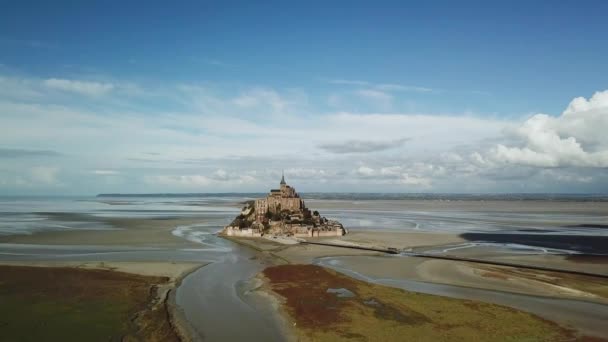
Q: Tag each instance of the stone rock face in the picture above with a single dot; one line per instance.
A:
(281, 213)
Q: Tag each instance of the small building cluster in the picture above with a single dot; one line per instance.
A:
(281, 213)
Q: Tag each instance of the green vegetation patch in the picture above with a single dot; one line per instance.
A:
(67, 304)
(378, 313)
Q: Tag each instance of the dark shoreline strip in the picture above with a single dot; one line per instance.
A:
(587, 244)
(388, 250)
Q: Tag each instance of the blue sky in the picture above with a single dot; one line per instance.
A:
(346, 96)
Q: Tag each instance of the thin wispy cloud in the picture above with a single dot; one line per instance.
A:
(220, 102)
(349, 82)
(399, 87)
(28, 43)
(45, 175)
(375, 95)
(21, 153)
(80, 87)
(481, 92)
(381, 86)
(362, 146)
(105, 172)
(238, 139)
(216, 62)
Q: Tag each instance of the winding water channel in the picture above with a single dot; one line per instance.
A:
(218, 297)
(219, 304)
(219, 300)
(215, 298)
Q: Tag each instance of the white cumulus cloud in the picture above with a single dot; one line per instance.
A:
(578, 137)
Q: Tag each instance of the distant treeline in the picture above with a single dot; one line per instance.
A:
(392, 196)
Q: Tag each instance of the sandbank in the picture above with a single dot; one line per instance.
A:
(124, 232)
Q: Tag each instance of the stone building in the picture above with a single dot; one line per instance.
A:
(284, 198)
(281, 213)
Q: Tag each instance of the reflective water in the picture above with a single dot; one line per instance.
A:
(28, 215)
(31, 214)
(221, 292)
(212, 298)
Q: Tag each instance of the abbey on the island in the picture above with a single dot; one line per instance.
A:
(281, 213)
(284, 198)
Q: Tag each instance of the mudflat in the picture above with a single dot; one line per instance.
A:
(466, 205)
(125, 232)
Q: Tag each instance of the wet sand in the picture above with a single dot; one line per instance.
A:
(492, 206)
(547, 295)
(290, 251)
(580, 310)
(578, 243)
(597, 264)
(474, 276)
(171, 270)
(377, 223)
(207, 286)
(439, 271)
(444, 271)
(400, 240)
(126, 232)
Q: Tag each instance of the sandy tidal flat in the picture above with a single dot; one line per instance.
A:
(171, 270)
(116, 239)
(125, 232)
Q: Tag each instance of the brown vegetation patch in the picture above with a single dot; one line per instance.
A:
(590, 339)
(305, 289)
(378, 313)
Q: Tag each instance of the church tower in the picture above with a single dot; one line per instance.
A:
(283, 183)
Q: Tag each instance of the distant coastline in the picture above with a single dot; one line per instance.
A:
(390, 196)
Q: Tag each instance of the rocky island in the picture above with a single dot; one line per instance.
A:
(281, 213)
